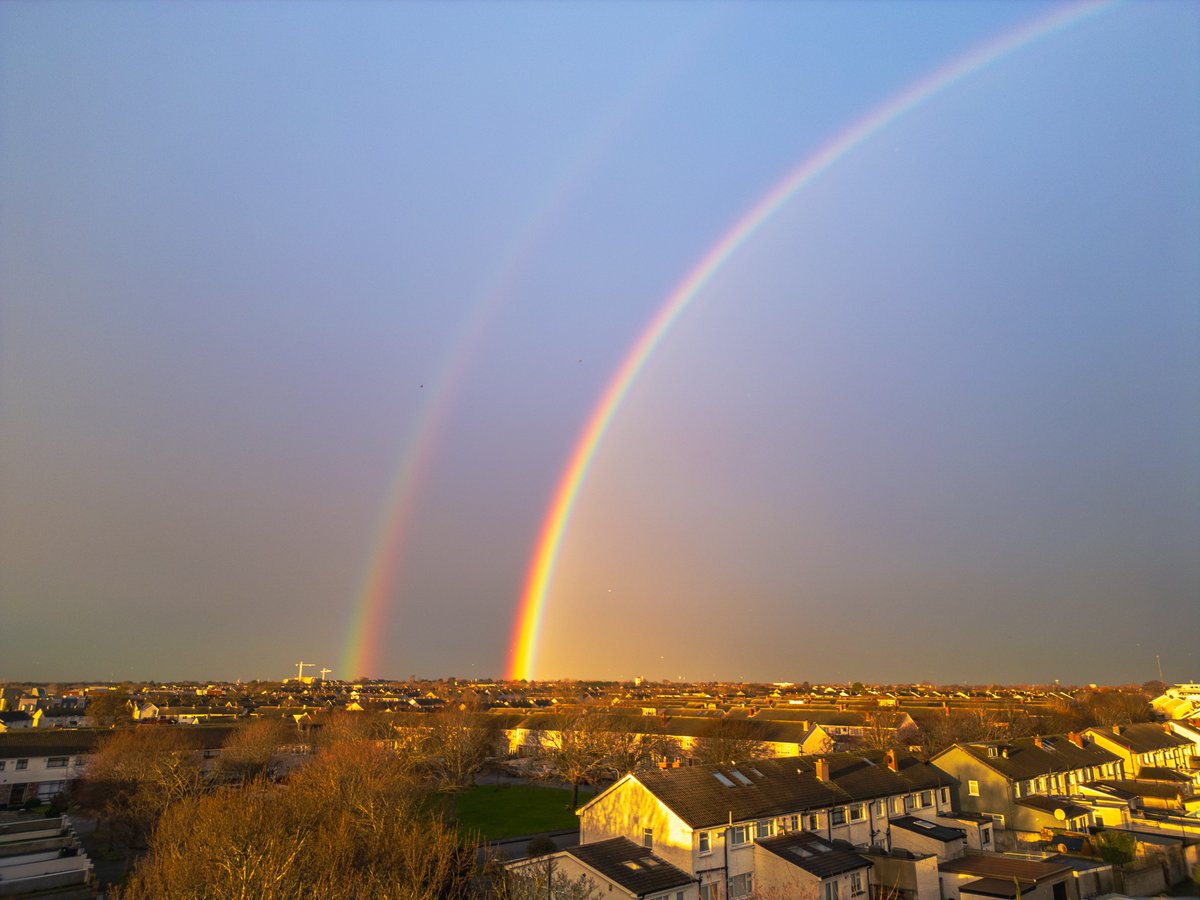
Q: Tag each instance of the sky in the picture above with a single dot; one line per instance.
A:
(304, 308)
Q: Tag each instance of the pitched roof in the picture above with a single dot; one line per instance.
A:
(1144, 737)
(634, 868)
(1052, 806)
(815, 854)
(1023, 758)
(705, 796)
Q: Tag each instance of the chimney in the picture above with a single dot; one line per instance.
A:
(822, 772)
(1075, 738)
(1167, 728)
(1037, 741)
(1004, 752)
(890, 758)
(1116, 729)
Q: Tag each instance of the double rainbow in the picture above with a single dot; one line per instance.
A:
(530, 614)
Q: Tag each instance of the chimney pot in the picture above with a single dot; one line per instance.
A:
(1116, 729)
(891, 761)
(1037, 740)
(822, 771)
(1076, 739)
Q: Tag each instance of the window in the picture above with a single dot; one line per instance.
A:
(766, 828)
(738, 835)
(837, 816)
(897, 805)
(709, 891)
(705, 842)
(858, 812)
(793, 823)
(57, 762)
(927, 798)
(973, 788)
(880, 809)
(2, 764)
(814, 822)
(831, 890)
(910, 800)
(945, 795)
(648, 838)
(856, 884)
(741, 885)
(985, 835)
(22, 764)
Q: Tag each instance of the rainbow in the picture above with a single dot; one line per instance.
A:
(532, 607)
(369, 612)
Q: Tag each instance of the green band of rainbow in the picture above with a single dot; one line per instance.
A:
(530, 613)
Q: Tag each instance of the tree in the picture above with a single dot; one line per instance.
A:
(880, 730)
(253, 750)
(575, 747)
(461, 742)
(135, 776)
(629, 746)
(727, 741)
(109, 708)
(351, 822)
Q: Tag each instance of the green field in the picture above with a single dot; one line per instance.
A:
(505, 811)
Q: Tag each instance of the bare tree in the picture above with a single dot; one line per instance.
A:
(575, 747)
(541, 878)
(136, 775)
(728, 741)
(254, 750)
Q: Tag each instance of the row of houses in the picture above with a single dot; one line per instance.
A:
(879, 824)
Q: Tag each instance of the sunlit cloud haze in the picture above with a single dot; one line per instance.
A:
(303, 308)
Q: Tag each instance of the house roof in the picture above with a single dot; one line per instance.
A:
(634, 868)
(1144, 737)
(929, 829)
(1023, 758)
(994, 887)
(1053, 805)
(1005, 868)
(814, 854)
(705, 796)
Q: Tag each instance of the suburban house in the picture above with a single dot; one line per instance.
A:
(1147, 744)
(996, 776)
(617, 867)
(710, 821)
(1007, 878)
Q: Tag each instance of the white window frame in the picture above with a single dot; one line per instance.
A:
(837, 815)
(857, 886)
(648, 838)
(739, 835)
(741, 885)
(858, 812)
(705, 842)
(972, 788)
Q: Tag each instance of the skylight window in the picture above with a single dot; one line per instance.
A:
(721, 778)
(740, 777)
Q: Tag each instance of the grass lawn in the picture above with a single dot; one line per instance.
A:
(514, 810)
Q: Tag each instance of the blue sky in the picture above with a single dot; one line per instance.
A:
(939, 419)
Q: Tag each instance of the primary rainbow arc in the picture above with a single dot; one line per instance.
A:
(531, 610)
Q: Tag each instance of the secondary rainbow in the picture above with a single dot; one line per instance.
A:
(532, 607)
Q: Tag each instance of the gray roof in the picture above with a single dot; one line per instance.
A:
(634, 868)
(706, 796)
(924, 827)
(1022, 758)
(1144, 737)
(814, 854)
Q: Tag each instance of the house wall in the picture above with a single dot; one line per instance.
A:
(542, 870)
(915, 878)
(775, 878)
(995, 794)
(38, 779)
(923, 845)
(626, 810)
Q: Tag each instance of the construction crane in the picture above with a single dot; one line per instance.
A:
(300, 669)
(325, 672)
